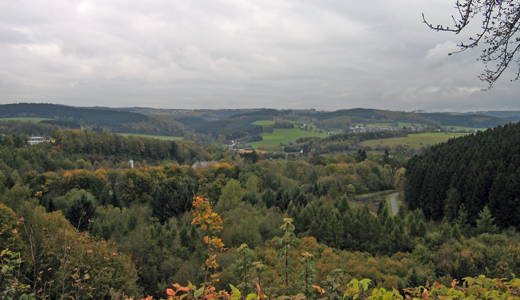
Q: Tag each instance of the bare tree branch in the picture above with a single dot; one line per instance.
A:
(499, 34)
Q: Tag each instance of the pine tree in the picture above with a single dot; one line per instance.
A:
(485, 222)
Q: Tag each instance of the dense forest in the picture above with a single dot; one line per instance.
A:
(84, 222)
(461, 177)
(232, 128)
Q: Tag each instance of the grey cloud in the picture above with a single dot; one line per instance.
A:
(320, 54)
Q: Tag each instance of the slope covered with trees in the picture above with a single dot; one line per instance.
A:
(112, 120)
(459, 178)
(466, 120)
(42, 128)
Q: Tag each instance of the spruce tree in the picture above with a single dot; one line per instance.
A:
(485, 222)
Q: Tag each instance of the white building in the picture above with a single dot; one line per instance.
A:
(33, 140)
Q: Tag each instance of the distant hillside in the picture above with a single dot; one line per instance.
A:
(93, 118)
(361, 115)
(42, 128)
(232, 128)
(506, 114)
(465, 120)
(205, 114)
(332, 120)
(346, 117)
(189, 122)
(188, 119)
(457, 179)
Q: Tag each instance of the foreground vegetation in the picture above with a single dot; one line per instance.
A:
(86, 224)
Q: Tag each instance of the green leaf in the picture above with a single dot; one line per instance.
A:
(473, 289)
(300, 296)
(198, 292)
(251, 297)
(236, 292)
(365, 282)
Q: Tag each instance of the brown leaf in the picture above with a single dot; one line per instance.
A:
(454, 283)
(319, 289)
(260, 291)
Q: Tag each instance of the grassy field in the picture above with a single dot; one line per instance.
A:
(284, 136)
(414, 140)
(465, 128)
(264, 122)
(159, 137)
(34, 120)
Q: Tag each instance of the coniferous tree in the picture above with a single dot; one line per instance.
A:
(81, 212)
(485, 222)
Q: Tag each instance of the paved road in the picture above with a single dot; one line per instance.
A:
(393, 201)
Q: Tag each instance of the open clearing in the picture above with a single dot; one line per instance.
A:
(284, 136)
(34, 120)
(414, 140)
(159, 137)
(263, 122)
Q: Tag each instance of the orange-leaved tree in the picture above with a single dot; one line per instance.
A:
(212, 223)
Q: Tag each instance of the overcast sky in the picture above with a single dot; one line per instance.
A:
(320, 54)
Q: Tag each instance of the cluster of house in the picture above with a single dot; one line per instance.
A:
(34, 140)
(358, 129)
(235, 145)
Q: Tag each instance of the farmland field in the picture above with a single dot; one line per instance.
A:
(34, 120)
(159, 137)
(465, 128)
(414, 140)
(284, 136)
(264, 122)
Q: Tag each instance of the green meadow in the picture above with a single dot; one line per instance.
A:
(465, 128)
(414, 140)
(284, 136)
(34, 120)
(264, 122)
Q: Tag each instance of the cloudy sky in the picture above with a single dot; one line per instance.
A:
(322, 54)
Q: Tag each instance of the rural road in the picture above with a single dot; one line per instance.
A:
(393, 201)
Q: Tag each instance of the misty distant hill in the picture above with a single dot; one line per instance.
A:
(466, 120)
(238, 122)
(92, 118)
(513, 115)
